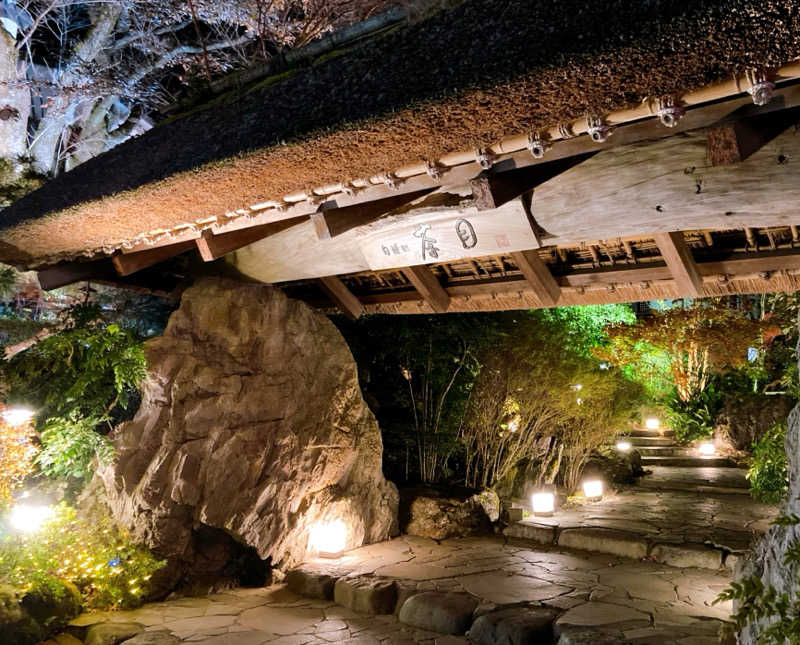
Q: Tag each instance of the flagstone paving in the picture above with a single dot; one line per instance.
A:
(618, 599)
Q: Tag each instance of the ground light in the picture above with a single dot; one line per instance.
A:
(707, 449)
(328, 539)
(593, 489)
(27, 518)
(17, 416)
(544, 504)
(623, 446)
(652, 424)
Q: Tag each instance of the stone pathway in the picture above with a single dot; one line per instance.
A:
(503, 591)
(688, 512)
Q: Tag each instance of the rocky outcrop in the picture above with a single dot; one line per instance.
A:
(427, 513)
(767, 560)
(252, 423)
(744, 419)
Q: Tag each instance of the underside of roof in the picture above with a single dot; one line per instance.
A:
(462, 80)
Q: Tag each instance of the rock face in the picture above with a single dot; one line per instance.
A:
(766, 561)
(428, 514)
(252, 422)
(744, 419)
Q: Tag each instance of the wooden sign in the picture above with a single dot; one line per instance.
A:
(449, 235)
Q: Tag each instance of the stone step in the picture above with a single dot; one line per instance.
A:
(644, 432)
(687, 462)
(663, 451)
(722, 481)
(650, 441)
(626, 544)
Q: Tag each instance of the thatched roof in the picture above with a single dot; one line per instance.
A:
(461, 79)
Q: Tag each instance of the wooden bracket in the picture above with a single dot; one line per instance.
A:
(129, 263)
(330, 221)
(681, 264)
(428, 286)
(337, 291)
(538, 276)
(492, 189)
(213, 247)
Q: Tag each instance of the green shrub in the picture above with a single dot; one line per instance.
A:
(70, 445)
(694, 419)
(107, 568)
(768, 474)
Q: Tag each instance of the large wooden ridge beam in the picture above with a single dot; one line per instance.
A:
(681, 264)
(428, 287)
(538, 277)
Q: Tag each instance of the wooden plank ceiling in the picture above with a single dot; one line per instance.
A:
(708, 208)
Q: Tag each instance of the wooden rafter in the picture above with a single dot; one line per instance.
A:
(681, 264)
(538, 277)
(213, 247)
(428, 287)
(341, 296)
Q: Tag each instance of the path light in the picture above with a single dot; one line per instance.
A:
(652, 424)
(544, 504)
(27, 518)
(707, 449)
(623, 446)
(17, 416)
(593, 490)
(328, 539)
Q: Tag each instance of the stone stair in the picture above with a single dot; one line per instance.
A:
(659, 448)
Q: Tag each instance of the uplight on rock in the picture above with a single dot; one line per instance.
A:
(707, 449)
(17, 416)
(652, 424)
(27, 518)
(623, 446)
(328, 539)
(593, 489)
(544, 504)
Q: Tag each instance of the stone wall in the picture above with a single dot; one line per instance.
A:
(766, 561)
(252, 422)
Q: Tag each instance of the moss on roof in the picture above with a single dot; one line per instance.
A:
(462, 78)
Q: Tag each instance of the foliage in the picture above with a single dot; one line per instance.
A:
(108, 569)
(777, 614)
(76, 378)
(8, 280)
(694, 418)
(702, 340)
(70, 445)
(583, 328)
(17, 450)
(538, 382)
(768, 474)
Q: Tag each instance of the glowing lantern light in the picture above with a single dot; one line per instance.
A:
(328, 539)
(623, 446)
(17, 416)
(707, 449)
(544, 504)
(652, 424)
(593, 489)
(26, 518)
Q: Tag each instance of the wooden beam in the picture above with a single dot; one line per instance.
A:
(681, 263)
(132, 262)
(428, 287)
(337, 291)
(213, 247)
(538, 276)
(330, 222)
(492, 189)
(62, 275)
(734, 142)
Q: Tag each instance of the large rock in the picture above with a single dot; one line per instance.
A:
(427, 513)
(746, 418)
(767, 559)
(446, 613)
(251, 422)
(515, 626)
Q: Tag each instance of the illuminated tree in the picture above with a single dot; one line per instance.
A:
(17, 450)
(700, 341)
